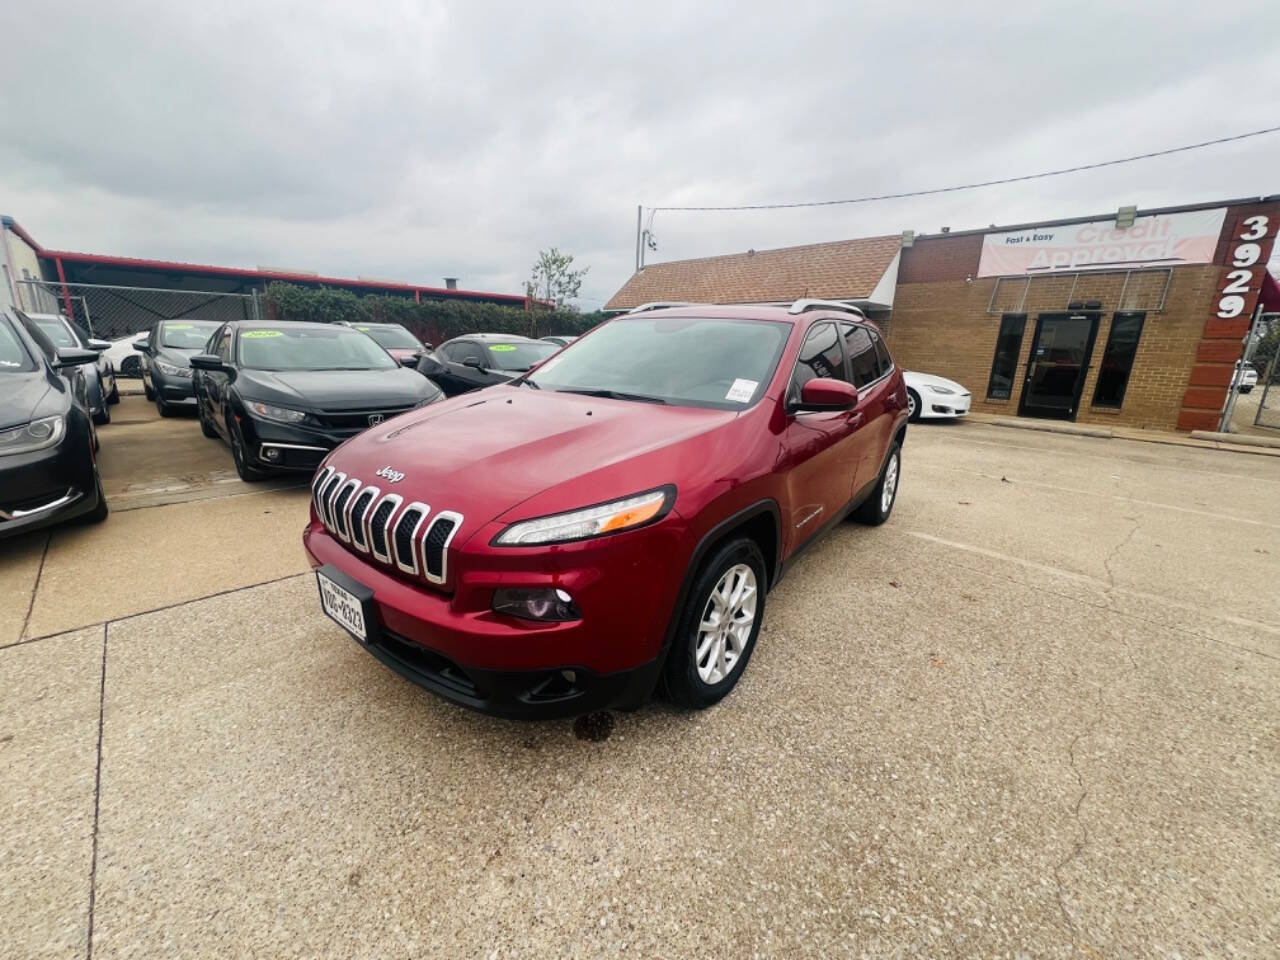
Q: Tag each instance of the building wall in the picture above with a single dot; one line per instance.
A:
(25, 265)
(941, 324)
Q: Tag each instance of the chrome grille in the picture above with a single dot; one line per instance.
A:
(411, 539)
(358, 532)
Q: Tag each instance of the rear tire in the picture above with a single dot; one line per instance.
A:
(876, 508)
(913, 406)
(717, 627)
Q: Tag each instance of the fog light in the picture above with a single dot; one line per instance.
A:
(270, 453)
(540, 604)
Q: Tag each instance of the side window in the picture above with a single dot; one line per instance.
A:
(882, 354)
(223, 347)
(1005, 362)
(819, 357)
(1117, 359)
(863, 362)
(41, 338)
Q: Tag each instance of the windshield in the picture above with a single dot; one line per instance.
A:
(518, 356)
(311, 348)
(13, 356)
(694, 361)
(186, 334)
(57, 331)
(391, 335)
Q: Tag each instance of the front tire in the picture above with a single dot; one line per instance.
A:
(246, 472)
(876, 508)
(115, 393)
(150, 394)
(205, 426)
(162, 408)
(913, 406)
(103, 416)
(717, 626)
(99, 512)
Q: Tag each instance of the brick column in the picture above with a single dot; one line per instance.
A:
(1248, 237)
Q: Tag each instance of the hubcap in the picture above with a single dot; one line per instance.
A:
(890, 484)
(911, 405)
(727, 621)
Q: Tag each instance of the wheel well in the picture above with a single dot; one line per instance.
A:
(901, 436)
(763, 529)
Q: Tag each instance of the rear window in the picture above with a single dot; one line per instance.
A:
(391, 335)
(186, 334)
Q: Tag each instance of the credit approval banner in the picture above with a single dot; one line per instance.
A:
(1160, 240)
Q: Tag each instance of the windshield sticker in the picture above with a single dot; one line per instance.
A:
(503, 348)
(365, 329)
(742, 390)
(260, 334)
(9, 363)
(178, 326)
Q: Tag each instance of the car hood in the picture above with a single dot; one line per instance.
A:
(918, 380)
(336, 389)
(20, 396)
(481, 454)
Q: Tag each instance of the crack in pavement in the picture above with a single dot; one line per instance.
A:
(97, 795)
(35, 588)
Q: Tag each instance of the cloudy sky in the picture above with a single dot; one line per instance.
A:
(413, 139)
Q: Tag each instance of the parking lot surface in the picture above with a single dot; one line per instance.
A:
(1032, 715)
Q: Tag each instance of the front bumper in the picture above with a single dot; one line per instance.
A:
(48, 486)
(940, 405)
(173, 390)
(453, 644)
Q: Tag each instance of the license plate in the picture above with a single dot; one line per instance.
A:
(343, 606)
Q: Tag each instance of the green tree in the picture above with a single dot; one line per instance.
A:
(554, 278)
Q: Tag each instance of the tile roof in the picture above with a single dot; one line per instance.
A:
(843, 270)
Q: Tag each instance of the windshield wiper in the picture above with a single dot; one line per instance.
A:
(524, 381)
(616, 395)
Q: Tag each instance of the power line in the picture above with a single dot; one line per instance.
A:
(974, 186)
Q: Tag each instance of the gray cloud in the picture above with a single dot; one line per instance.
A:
(419, 139)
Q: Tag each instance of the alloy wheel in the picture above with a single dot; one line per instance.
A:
(727, 621)
(890, 487)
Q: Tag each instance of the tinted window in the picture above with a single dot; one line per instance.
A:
(819, 357)
(223, 347)
(390, 335)
(310, 348)
(1005, 363)
(882, 354)
(518, 356)
(462, 350)
(1117, 359)
(696, 361)
(13, 355)
(185, 334)
(863, 363)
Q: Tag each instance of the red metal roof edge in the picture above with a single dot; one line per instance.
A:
(21, 231)
(71, 256)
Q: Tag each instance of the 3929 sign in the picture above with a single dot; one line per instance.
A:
(1247, 256)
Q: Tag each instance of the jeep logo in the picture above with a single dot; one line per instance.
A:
(391, 476)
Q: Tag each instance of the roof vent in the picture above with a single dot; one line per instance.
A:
(451, 283)
(946, 229)
(908, 238)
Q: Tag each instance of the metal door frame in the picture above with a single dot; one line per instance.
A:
(1095, 316)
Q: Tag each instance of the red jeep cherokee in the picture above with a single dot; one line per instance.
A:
(614, 518)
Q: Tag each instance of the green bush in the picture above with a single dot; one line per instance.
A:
(431, 320)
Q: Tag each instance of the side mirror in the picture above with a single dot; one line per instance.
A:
(142, 346)
(74, 356)
(209, 362)
(429, 366)
(826, 394)
(97, 345)
(474, 363)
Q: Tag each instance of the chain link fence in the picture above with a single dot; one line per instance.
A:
(112, 312)
(1268, 390)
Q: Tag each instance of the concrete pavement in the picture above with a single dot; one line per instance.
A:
(1033, 714)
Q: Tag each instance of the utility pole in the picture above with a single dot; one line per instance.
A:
(639, 218)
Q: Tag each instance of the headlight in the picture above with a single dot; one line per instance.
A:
(590, 522)
(32, 436)
(948, 390)
(279, 414)
(170, 370)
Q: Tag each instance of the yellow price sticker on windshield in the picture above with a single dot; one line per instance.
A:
(260, 334)
(503, 348)
(179, 326)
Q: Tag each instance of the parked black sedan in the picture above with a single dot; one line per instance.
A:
(166, 365)
(48, 472)
(480, 360)
(284, 394)
(394, 339)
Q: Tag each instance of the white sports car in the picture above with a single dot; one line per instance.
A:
(937, 397)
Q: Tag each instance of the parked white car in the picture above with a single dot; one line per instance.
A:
(1245, 381)
(934, 397)
(124, 358)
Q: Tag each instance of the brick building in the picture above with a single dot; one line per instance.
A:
(1135, 318)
